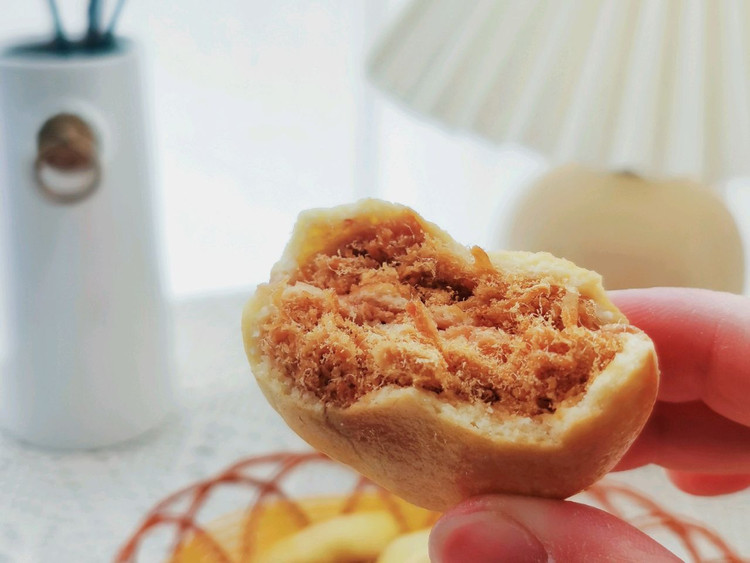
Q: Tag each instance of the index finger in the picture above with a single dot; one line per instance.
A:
(702, 340)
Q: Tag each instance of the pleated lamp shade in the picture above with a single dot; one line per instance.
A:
(660, 88)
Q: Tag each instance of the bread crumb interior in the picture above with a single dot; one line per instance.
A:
(393, 306)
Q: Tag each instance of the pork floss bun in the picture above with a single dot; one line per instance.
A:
(441, 372)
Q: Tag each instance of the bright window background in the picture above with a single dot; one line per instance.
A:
(261, 109)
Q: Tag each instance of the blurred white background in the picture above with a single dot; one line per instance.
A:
(262, 109)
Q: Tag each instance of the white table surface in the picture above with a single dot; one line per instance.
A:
(81, 506)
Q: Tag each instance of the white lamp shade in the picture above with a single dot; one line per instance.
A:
(655, 87)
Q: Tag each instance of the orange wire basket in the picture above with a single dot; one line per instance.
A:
(183, 528)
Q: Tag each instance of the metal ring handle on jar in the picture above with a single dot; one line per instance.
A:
(67, 169)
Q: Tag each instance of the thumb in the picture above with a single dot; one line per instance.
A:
(524, 529)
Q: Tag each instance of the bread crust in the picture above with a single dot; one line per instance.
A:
(433, 453)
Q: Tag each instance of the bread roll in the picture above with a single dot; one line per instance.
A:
(442, 372)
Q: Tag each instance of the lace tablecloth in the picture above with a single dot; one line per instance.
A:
(81, 506)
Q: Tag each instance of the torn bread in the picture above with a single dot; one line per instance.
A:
(442, 372)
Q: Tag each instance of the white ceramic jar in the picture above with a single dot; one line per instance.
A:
(87, 351)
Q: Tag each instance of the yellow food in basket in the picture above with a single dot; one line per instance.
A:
(352, 537)
(407, 548)
(378, 528)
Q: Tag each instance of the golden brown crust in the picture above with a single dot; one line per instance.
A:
(435, 454)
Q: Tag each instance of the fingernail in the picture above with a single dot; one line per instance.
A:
(485, 537)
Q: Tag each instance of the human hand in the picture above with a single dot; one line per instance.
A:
(699, 431)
